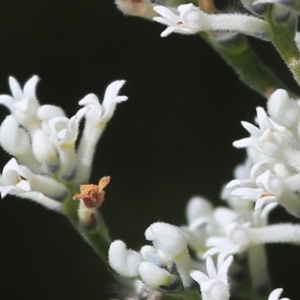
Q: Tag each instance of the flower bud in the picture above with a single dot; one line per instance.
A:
(124, 261)
(155, 276)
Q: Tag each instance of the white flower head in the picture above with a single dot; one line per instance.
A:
(19, 180)
(15, 179)
(282, 109)
(64, 130)
(237, 240)
(214, 285)
(170, 241)
(255, 132)
(100, 114)
(189, 21)
(23, 105)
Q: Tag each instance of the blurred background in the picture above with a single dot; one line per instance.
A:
(170, 141)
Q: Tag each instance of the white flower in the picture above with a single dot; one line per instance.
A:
(188, 21)
(100, 114)
(19, 180)
(266, 188)
(237, 240)
(264, 124)
(214, 285)
(269, 138)
(282, 109)
(275, 294)
(14, 179)
(96, 119)
(191, 20)
(171, 242)
(132, 264)
(23, 105)
(64, 130)
(199, 214)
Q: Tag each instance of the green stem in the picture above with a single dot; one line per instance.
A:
(237, 52)
(282, 36)
(98, 238)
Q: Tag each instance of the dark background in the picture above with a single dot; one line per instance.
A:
(171, 140)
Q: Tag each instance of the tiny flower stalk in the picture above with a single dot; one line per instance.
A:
(281, 233)
(258, 269)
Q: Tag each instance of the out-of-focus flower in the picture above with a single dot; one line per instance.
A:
(214, 285)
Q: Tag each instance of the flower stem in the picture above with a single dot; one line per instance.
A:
(237, 52)
(282, 233)
(98, 238)
(282, 36)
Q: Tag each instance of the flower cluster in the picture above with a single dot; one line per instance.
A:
(268, 178)
(206, 257)
(273, 148)
(167, 266)
(48, 160)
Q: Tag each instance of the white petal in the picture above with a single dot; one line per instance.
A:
(163, 21)
(24, 185)
(210, 268)
(275, 294)
(166, 13)
(263, 119)
(30, 86)
(245, 143)
(199, 276)
(223, 269)
(15, 88)
(7, 101)
(253, 130)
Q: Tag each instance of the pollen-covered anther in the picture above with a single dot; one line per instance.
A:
(93, 195)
